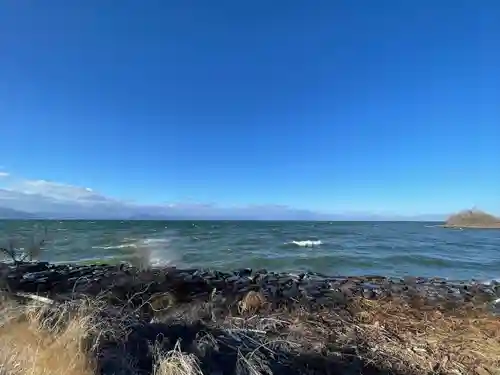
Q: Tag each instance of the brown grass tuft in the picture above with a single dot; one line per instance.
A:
(175, 362)
(28, 345)
(252, 302)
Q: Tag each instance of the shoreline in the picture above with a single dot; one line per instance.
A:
(67, 278)
(258, 322)
(475, 226)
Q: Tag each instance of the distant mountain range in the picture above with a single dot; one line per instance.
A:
(41, 199)
(10, 214)
(178, 214)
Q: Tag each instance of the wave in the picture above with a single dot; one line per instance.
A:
(152, 241)
(305, 243)
(121, 246)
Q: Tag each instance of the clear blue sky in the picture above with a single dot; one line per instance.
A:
(327, 105)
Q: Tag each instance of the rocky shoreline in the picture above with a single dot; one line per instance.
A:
(471, 226)
(281, 323)
(65, 281)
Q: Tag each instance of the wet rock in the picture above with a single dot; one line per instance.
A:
(243, 272)
(119, 283)
(375, 278)
(409, 280)
(270, 279)
(271, 291)
(368, 293)
(233, 279)
(453, 291)
(291, 292)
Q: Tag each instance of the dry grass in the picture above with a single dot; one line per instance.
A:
(29, 344)
(465, 341)
(175, 362)
(35, 343)
(394, 335)
(252, 364)
(252, 302)
(390, 334)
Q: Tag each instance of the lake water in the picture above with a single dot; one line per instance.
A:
(345, 248)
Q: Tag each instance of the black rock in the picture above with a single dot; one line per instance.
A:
(243, 272)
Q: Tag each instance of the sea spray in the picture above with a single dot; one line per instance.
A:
(160, 250)
(154, 251)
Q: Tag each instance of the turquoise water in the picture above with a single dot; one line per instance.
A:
(347, 248)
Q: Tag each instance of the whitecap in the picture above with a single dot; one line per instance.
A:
(152, 241)
(307, 243)
(121, 246)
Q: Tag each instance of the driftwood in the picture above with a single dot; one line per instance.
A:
(36, 298)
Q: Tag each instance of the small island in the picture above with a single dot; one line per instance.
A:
(472, 218)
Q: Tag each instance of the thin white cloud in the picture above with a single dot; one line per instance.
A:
(65, 200)
(59, 191)
(56, 199)
(4, 174)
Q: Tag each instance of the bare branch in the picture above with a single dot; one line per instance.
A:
(19, 254)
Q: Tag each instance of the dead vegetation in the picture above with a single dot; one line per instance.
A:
(32, 343)
(175, 362)
(19, 250)
(461, 341)
(397, 337)
(369, 337)
(252, 302)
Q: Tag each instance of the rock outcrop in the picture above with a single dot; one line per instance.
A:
(472, 219)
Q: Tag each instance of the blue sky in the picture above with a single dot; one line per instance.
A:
(386, 106)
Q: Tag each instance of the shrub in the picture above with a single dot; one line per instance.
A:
(29, 252)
